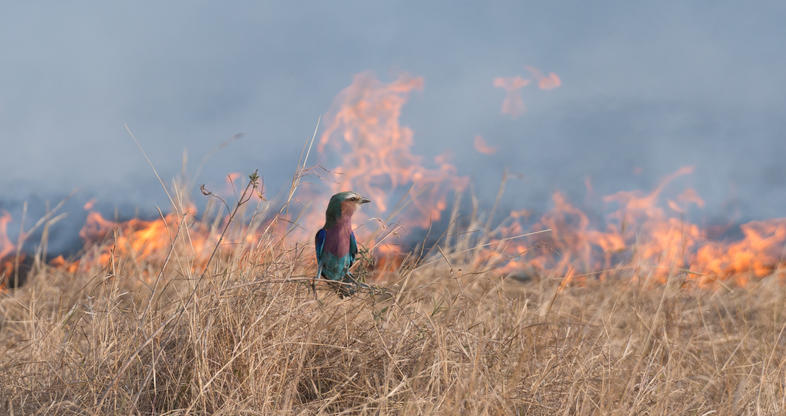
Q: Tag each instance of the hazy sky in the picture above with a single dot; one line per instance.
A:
(649, 85)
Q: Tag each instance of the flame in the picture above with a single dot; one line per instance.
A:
(376, 150)
(60, 262)
(482, 147)
(760, 251)
(89, 204)
(6, 247)
(138, 239)
(513, 104)
(545, 82)
(643, 235)
(233, 177)
(8, 260)
(390, 257)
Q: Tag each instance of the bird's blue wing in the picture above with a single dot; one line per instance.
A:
(319, 242)
(353, 248)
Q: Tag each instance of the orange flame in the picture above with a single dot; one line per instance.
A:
(6, 247)
(376, 151)
(513, 104)
(7, 261)
(482, 147)
(233, 177)
(643, 234)
(89, 204)
(138, 239)
(545, 82)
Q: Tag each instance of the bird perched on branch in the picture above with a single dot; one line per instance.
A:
(335, 243)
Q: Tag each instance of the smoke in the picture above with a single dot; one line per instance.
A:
(645, 89)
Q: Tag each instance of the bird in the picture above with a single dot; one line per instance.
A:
(335, 243)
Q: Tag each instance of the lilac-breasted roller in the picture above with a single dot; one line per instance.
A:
(335, 243)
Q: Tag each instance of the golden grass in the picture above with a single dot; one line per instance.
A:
(449, 341)
(246, 336)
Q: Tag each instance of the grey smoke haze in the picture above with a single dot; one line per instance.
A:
(650, 85)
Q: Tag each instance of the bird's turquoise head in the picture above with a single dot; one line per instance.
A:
(342, 205)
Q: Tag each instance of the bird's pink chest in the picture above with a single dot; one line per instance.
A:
(337, 239)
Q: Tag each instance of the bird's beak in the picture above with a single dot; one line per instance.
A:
(364, 200)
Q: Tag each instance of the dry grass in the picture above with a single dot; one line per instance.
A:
(450, 339)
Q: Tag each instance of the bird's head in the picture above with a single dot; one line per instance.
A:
(342, 205)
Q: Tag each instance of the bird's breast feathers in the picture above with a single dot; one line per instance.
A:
(337, 240)
(336, 249)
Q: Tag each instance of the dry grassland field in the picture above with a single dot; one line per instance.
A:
(467, 308)
(393, 208)
(218, 317)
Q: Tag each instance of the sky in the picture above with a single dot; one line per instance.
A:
(647, 87)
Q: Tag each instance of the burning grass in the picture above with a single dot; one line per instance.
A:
(157, 335)
(639, 312)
